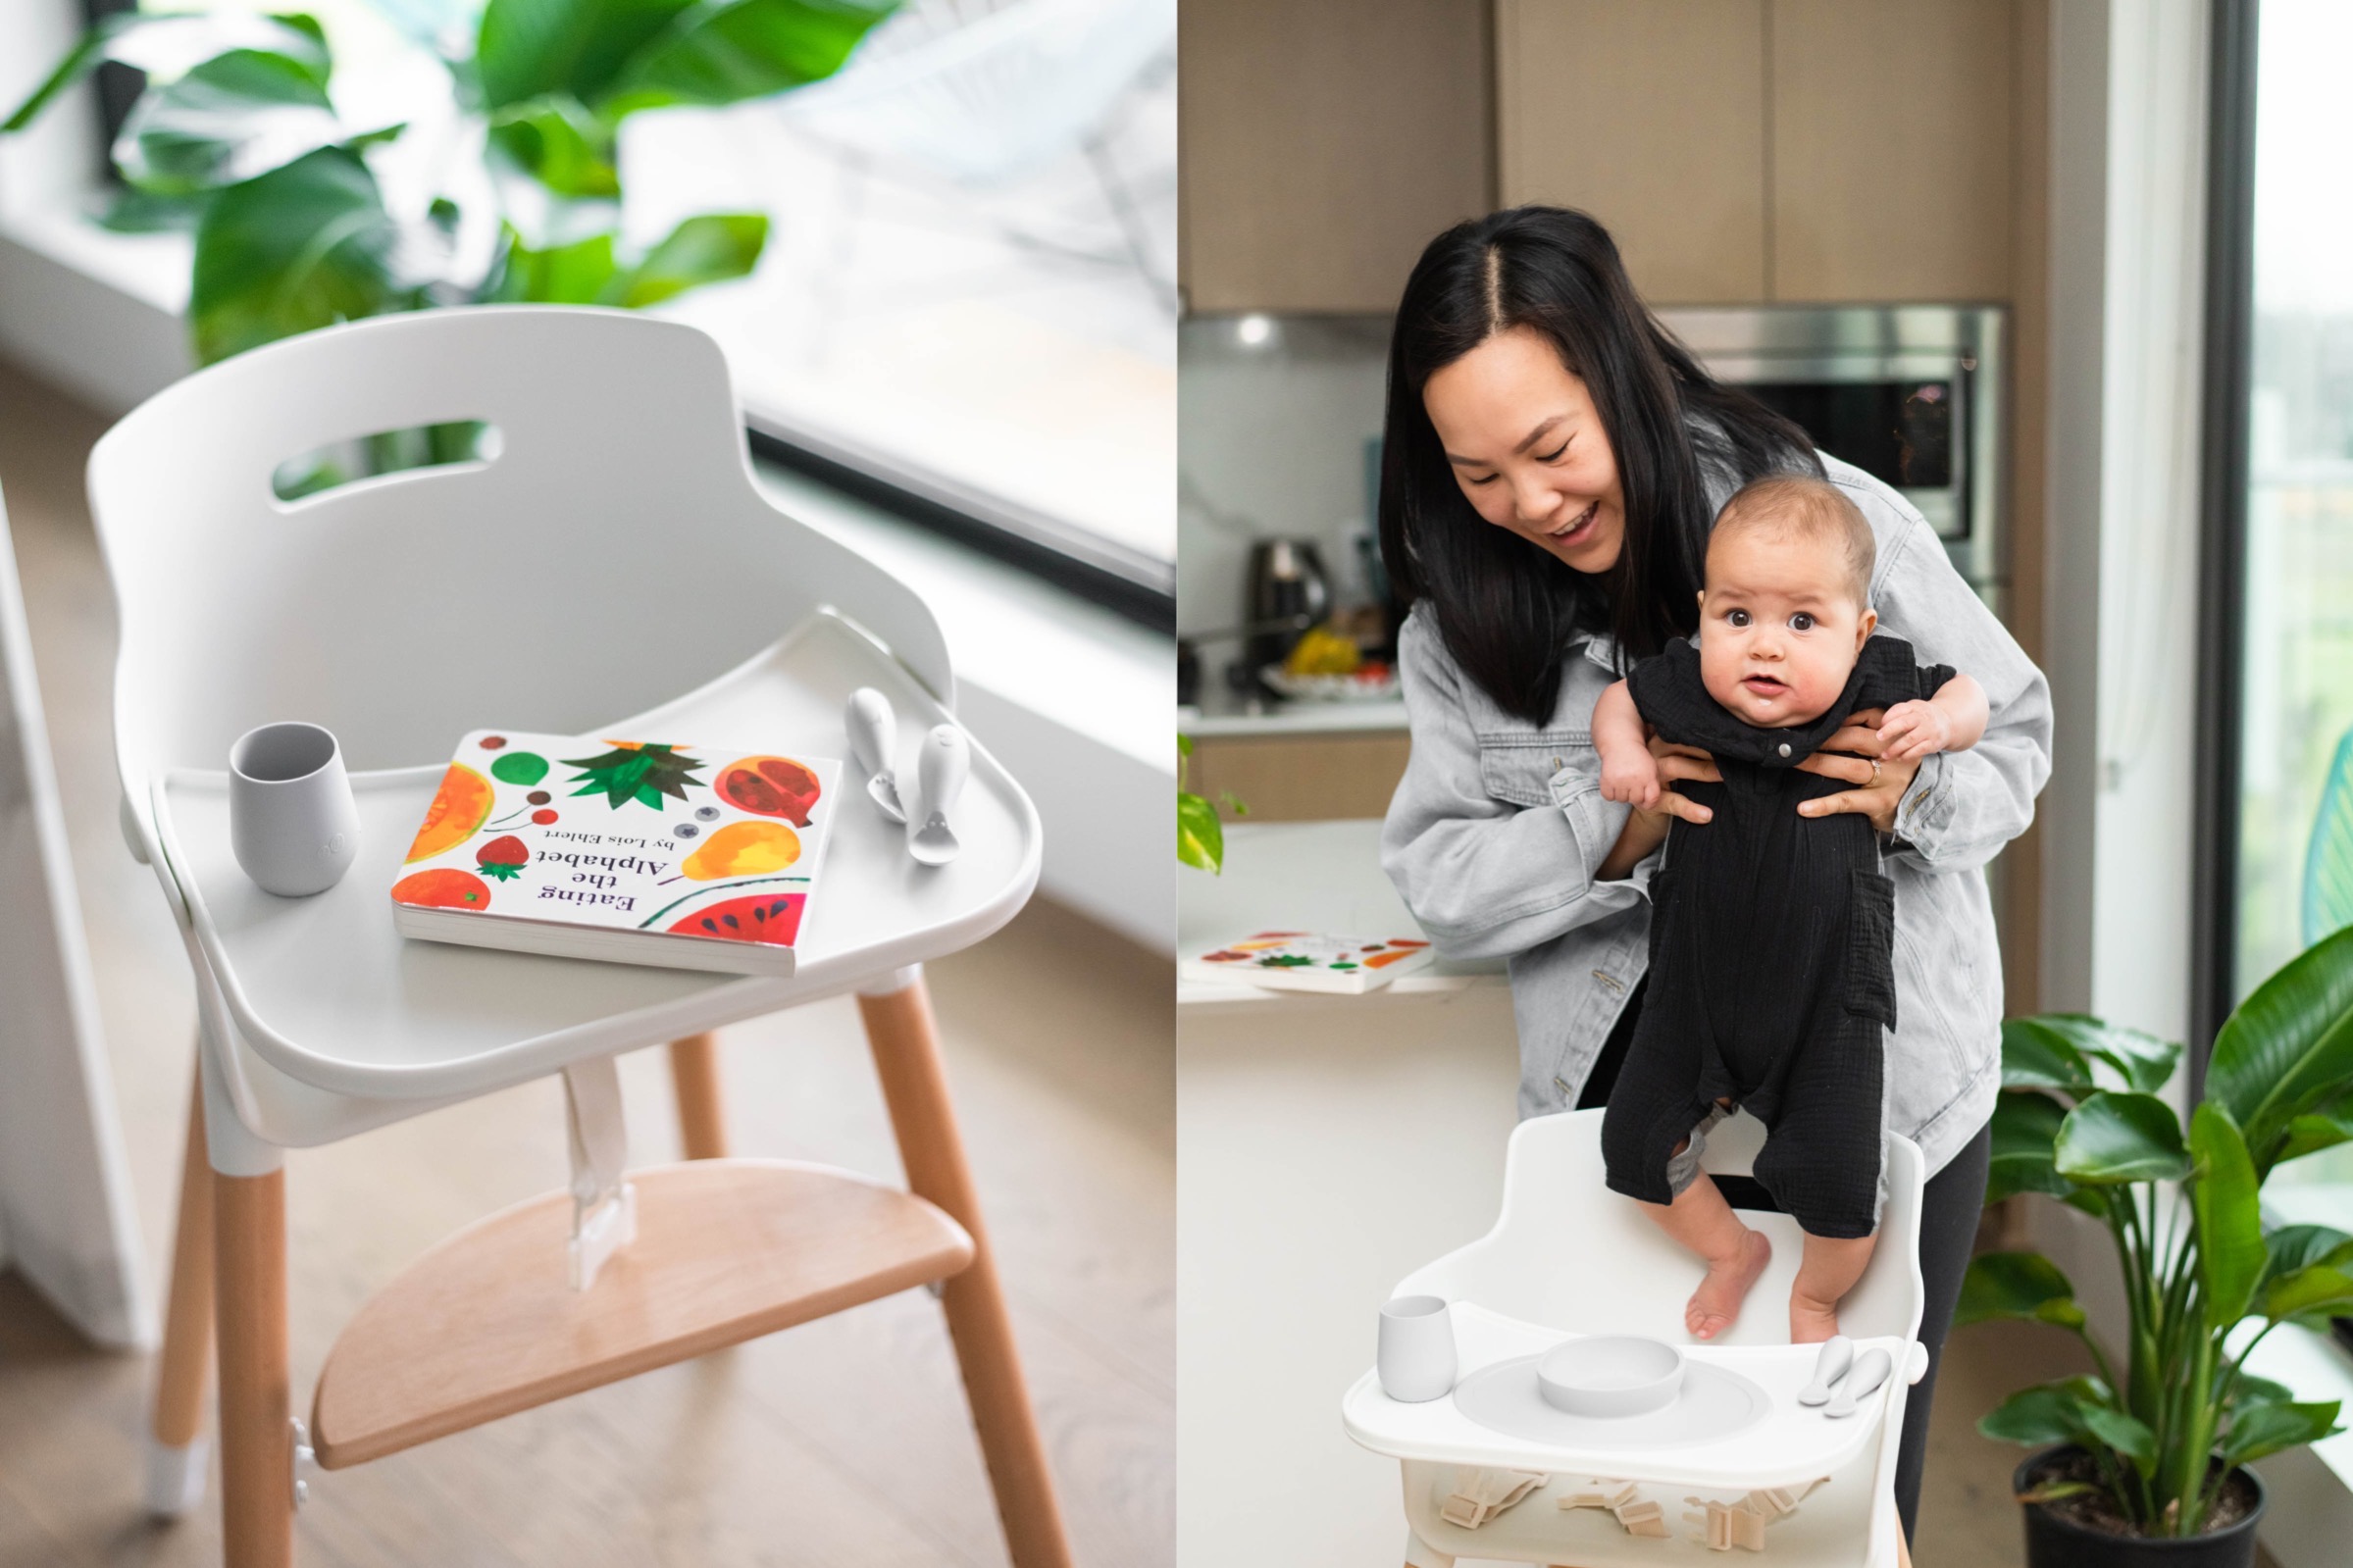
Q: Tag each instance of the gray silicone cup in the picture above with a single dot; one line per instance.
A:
(292, 820)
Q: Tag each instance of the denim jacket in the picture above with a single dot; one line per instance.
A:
(1498, 826)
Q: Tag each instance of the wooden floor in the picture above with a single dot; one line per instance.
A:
(839, 1442)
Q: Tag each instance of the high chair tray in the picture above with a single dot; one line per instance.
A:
(328, 992)
(1791, 1445)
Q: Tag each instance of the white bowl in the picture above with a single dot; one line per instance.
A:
(1610, 1374)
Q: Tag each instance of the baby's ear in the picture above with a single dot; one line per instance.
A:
(1865, 626)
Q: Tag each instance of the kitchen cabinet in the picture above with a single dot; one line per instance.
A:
(1762, 151)
(1321, 146)
(1301, 778)
(1650, 114)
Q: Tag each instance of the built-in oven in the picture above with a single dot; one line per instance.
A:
(1911, 394)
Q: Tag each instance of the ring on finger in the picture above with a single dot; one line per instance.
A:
(1874, 762)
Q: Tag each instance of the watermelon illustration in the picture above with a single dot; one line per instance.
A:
(772, 917)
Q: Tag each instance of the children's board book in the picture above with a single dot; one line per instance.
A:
(637, 852)
(1300, 960)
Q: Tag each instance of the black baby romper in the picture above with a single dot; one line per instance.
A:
(1771, 969)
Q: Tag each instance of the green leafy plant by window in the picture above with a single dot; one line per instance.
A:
(244, 148)
(1200, 837)
(2080, 1119)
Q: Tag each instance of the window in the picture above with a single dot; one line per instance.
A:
(967, 301)
(2293, 839)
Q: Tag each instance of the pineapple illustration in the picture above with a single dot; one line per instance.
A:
(631, 771)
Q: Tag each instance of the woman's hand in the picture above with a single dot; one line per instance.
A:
(1880, 779)
(1646, 827)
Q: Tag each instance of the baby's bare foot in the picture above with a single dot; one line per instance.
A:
(1716, 1302)
(1810, 1322)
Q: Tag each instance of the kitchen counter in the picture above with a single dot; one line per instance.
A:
(1327, 1146)
(1306, 875)
(1384, 717)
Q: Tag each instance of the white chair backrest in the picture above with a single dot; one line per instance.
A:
(613, 553)
(1573, 1254)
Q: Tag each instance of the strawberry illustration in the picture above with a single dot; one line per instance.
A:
(502, 858)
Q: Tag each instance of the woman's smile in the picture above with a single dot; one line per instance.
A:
(1528, 447)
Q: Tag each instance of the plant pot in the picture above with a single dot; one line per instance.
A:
(2055, 1541)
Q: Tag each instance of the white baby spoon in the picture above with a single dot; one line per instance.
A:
(940, 768)
(872, 729)
(1838, 1354)
(1871, 1370)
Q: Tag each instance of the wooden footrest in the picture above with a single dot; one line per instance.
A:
(486, 1325)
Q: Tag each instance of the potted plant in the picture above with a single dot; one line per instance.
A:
(297, 213)
(1200, 837)
(2142, 1461)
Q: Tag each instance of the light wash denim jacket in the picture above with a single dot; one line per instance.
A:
(1498, 826)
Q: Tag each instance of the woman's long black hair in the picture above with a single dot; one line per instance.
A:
(1507, 608)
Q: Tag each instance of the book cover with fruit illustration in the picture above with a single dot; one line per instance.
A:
(637, 851)
(1304, 960)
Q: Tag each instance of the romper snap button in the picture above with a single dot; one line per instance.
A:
(1786, 748)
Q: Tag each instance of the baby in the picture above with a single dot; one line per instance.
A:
(1772, 931)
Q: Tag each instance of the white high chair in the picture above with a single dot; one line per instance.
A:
(612, 569)
(1568, 1258)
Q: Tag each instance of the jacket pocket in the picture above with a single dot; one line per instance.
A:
(1538, 768)
(1871, 946)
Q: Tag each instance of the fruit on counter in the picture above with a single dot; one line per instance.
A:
(743, 849)
(772, 917)
(1322, 651)
(770, 787)
(459, 809)
(502, 858)
(442, 888)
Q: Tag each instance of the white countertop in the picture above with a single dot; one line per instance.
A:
(1305, 876)
(1385, 716)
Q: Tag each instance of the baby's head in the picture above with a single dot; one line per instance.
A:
(1787, 605)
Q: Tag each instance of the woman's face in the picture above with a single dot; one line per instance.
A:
(1528, 447)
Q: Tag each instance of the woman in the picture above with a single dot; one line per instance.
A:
(1552, 463)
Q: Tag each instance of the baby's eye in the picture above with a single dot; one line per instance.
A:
(1738, 618)
(1484, 478)
(1800, 621)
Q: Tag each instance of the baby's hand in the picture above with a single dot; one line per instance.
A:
(1914, 729)
(1632, 778)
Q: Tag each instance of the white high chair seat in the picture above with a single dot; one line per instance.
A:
(609, 568)
(1567, 1258)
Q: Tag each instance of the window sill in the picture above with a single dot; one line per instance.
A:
(1073, 699)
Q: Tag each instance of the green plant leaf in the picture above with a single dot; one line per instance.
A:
(2300, 1246)
(235, 116)
(557, 142)
(133, 211)
(300, 248)
(578, 273)
(2047, 1412)
(2224, 1198)
(2025, 1125)
(2314, 1291)
(725, 51)
(138, 38)
(2117, 1138)
(2036, 1056)
(2316, 1130)
(707, 249)
(1200, 837)
(2017, 1285)
(526, 48)
(2327, 902)
(2142, 1060)
(2125, 1434)
(2288, 1048)
(2267, 1429)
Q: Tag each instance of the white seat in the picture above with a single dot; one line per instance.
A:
(1567, 1257)
(609, 564)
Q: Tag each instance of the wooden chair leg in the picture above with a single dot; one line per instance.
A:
(906, 1057)
(702, 1117)
(175, 1453)
(257, 1437)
